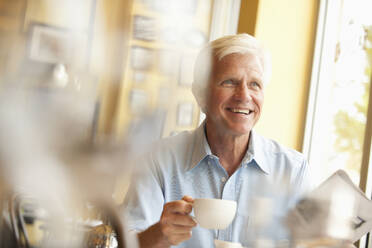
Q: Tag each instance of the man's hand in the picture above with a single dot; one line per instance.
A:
(174, 226)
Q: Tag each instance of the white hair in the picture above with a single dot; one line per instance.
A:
(218, 49)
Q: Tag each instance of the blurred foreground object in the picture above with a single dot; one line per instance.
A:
(334, 213)
(102, 236)
(56, 182)
(25, 224)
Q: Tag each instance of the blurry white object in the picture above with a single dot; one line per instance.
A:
(225, 244)
(47, 153)
(214, 213)
(265, 243)
(60, 76)
(336, 210)
(185, 114)
(263, 209)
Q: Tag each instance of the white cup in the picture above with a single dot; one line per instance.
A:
(214, 213)
(225, 244)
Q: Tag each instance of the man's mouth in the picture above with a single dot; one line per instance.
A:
(240, 111)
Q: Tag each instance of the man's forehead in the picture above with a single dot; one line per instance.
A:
(231, 62)
(237, 58)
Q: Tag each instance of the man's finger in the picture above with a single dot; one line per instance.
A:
(180, 206)
(177, 229)
(181, 220)
(188, 199)
(178, 219)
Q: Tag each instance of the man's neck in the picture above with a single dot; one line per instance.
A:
(230, 149)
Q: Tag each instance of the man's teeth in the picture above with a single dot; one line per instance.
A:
(242, 111)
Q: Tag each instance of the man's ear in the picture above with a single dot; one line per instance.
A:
(200, 95)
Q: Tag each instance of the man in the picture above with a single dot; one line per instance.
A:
(223, 158)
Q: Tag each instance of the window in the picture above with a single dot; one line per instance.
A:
(339, 118)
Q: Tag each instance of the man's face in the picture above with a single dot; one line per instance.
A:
(235, 94)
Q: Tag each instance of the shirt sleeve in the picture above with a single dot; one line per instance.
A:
(143, 204)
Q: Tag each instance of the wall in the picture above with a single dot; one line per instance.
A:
(104, 23)
(12, 14)
(109, 56)
(287, 30)
(32, 37)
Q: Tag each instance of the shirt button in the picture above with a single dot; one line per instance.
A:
(223, 179)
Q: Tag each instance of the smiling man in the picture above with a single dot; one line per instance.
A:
(223, 158)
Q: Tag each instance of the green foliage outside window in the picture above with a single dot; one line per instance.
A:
(350, 128)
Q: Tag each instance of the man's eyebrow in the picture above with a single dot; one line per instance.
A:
(255, 77)
(258, 79)
(234, 79)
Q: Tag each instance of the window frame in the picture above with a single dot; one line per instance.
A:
(318, 67)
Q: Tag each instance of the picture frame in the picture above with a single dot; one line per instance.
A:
(141, 58)
(143, 28)
(55, 45)
(138, 101)
(185, 114)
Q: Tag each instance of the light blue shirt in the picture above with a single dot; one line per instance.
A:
(184, 165)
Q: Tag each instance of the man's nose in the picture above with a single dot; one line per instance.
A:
(243, 93)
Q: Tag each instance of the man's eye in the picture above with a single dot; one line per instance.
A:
(228, 82)
(254, 84)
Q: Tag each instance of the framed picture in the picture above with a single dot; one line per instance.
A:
(143, 28)
(141, 58)
(50, 44)
(138, 100)
(185, 114)
(139, 76)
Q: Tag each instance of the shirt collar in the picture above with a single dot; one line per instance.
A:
(201, 150)
(256, 151)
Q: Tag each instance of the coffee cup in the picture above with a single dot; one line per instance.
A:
(226, 244)
(213, 213)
